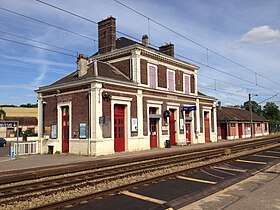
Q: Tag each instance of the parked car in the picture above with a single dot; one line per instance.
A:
(3, 142)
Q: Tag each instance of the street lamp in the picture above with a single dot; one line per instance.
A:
(250, 107)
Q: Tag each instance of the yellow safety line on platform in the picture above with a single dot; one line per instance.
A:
(230, 169)
(142, 197)
(267, 156)
(276, 152)
(249, 161)
(196, 180)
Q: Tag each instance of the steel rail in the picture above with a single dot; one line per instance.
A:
(179, 159)
(91, 196)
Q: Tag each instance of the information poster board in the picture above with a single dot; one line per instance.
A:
(54, 131)
(82, 131)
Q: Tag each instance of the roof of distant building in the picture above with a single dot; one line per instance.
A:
(237, 114)
(23, 121)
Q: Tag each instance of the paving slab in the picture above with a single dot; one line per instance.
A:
(259, 192)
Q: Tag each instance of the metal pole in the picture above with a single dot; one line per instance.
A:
(251, 120)
(17, 138)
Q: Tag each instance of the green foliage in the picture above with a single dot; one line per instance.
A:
(271, 111)
(29, 105)
(256, 108)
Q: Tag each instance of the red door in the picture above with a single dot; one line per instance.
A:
(172, 129)
(119, 132)
(240, 130)
(188, 133)
(65, 129)
(153, 133)
(188, 129)
(206, 127)
(223, 130)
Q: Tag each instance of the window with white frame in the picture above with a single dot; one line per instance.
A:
(171, 81)
(186, 84)
(152, 76)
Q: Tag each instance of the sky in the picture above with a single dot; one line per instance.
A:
(235, 43)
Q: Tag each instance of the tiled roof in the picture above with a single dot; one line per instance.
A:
(23, 121)
(237, 114)
(124, 42)
(104, 70)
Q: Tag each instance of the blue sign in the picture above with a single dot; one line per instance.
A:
(189, 108)
(8, 124)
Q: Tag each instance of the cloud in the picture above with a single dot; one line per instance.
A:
(260, 35)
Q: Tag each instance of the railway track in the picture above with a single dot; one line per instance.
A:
(10, 193)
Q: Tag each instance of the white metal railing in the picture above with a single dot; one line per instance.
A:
(25, 148)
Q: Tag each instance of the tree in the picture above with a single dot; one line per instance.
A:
(256, 108)
(271, 111)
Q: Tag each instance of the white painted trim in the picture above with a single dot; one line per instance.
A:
(177, 126)
(173, 104)
(169, 66)
(167, 80)
(59, 122)
(158, 107)
(206, 109)
(120, 98)
(119, 59)
(40, 121)
(148, 74)
(192, 123)
(154, 102)
(127, 103)
(140, 114)
(184, 84)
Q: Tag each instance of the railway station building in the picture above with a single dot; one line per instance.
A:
(234, 123)
(126, 97)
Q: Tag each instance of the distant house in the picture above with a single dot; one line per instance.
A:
(27, 118)
(234, 123)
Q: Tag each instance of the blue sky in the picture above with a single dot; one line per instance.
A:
(245, 31)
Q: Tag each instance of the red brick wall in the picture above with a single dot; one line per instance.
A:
(80, 113)
(179, 80)
(124, 67)
(106, 110)
(49, 113)
(162, 76)
(144, 71)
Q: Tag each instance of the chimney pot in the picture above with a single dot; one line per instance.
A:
(82, 64)
(107, 35)
(167, 49)
(145, 40)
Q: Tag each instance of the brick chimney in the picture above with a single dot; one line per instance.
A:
(107, 35)
(82, 62)
(167, 49)
(145, 40)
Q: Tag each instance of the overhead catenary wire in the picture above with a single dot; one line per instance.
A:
(200, 63)
(48, 24)
(62, 48)
(195, 42)
(42, 48)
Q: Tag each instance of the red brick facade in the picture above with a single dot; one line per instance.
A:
(124, 67)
